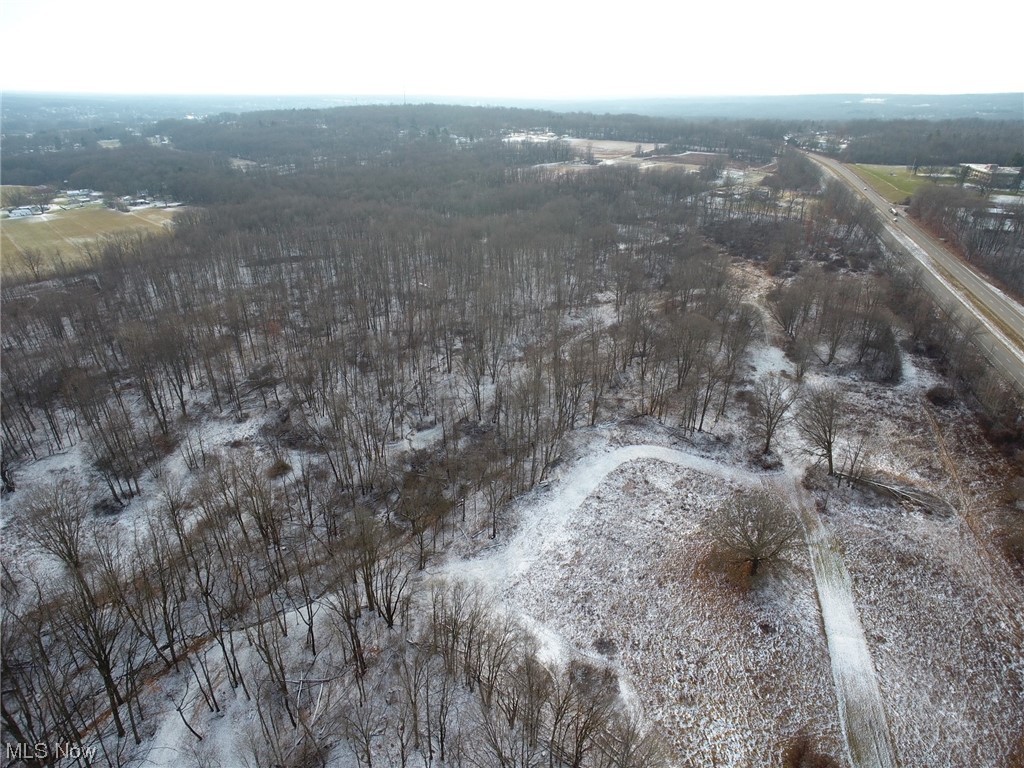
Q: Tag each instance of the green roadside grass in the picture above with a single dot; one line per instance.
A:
(894, 182)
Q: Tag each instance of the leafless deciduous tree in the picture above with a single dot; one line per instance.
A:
(753, 528)
(774, 396)
(821, 419)
(629, 744)
(56, 521)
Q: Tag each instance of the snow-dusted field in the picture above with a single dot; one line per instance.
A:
(941, 610)
(945, 639)
(610, 562)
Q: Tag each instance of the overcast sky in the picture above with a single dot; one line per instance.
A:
(531, 49)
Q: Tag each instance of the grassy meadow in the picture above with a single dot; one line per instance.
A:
(68, 232)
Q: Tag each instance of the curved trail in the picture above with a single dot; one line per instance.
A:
(547, 529)
(861, 711)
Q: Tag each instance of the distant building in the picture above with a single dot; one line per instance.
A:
(991, 175)
(26, 210)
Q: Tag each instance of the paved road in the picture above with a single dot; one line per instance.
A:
(954, 284)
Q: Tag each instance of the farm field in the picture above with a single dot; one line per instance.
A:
(68, 232)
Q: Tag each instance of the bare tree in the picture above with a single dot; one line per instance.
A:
(56, 518)
(627, 743)
(790, 305)
(753, 528)
(31, 259)
(580, 707)
(821, 419)
(391, 572)
(362, 725)
(773, 398)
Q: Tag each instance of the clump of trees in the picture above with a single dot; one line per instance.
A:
(993, 239)
(823, 315)
(953, 342)
(342, 314)
(207, 601)
(931, 142)
(795, 171)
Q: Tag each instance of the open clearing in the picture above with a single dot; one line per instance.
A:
(611, 564)
(922, 640)
(609, 149)
(68, 232)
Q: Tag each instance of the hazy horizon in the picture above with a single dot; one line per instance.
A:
(865, 95)
(529, 51)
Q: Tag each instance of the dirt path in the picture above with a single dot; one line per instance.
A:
(861, 711)
(545, 529)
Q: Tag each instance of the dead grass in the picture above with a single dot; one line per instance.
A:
(1017, 758)
(716, 573)
(279, 468)
(801, 752)
(1011, 540)
(68, 233)
(727, 671)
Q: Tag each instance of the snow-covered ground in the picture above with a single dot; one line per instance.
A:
(894, 639)
(611, 560)
(861, 711)
(940, 609)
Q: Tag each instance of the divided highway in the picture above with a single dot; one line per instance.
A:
(955, 285)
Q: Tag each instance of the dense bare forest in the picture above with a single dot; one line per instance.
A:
(412, 310)
(932, 143)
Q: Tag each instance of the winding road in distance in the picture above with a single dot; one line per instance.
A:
(954, 284)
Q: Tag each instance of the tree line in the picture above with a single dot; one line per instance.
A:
(932, 142)
(991, 238)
